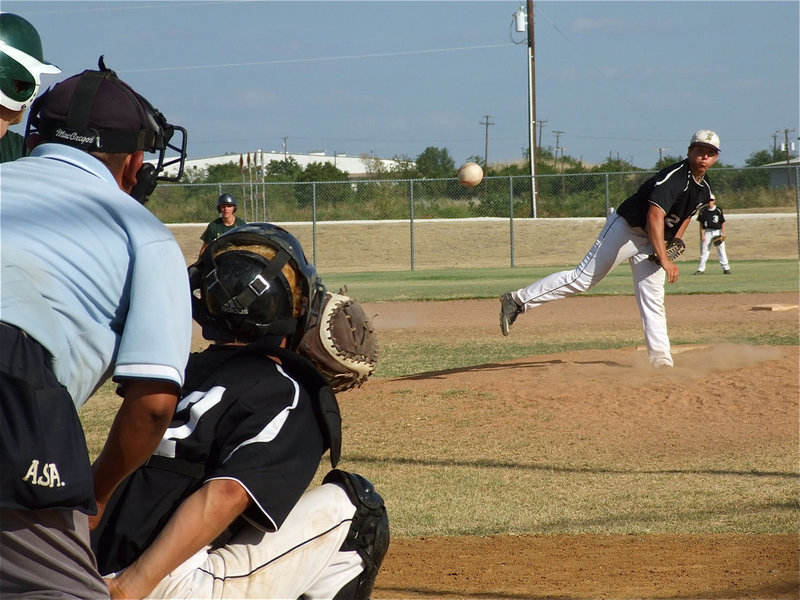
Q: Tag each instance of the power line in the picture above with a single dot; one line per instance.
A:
(97, 7)
(314, 59)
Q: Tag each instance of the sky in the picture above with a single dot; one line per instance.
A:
(617, 79)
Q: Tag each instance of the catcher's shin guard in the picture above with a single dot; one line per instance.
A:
(369, 533)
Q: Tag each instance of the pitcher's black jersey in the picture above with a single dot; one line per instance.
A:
(674, 190)
(243, 417)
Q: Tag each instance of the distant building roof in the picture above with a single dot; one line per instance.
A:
(782, 163)
(354, 165)
(783, 175)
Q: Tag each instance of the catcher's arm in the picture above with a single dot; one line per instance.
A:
(197, 522)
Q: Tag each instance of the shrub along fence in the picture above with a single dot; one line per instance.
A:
(416, 204)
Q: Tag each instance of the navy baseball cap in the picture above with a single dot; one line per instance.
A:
(95, 110)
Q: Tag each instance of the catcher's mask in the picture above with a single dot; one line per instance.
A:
(238, 294)
(96, 111)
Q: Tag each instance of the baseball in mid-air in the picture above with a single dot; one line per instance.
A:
(470, 174)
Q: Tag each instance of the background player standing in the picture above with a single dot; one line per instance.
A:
(219, 511)
(659, 211)
(227, 220)
(712, 226)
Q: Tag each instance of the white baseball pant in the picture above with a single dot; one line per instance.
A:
(705, 250)
(616, 243)
(302, 558)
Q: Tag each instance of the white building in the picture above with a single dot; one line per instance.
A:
(778, 176)
(354, 165)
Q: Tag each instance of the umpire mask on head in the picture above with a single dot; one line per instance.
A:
(96, 111)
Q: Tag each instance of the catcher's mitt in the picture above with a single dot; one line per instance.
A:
(343, 344)
(675, 248)
(717, 239)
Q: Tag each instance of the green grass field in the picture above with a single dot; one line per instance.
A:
(762, 276)
(608, 494)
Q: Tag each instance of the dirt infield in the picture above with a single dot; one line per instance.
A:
(605, 407)
(592, 566)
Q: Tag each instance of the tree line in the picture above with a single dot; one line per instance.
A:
(437, 163)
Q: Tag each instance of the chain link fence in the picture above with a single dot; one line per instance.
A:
(417, 215)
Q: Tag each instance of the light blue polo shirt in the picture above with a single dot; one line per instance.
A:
(90, 273)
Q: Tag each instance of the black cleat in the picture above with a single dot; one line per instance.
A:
(509, 310)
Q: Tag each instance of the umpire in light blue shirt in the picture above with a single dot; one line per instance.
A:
(92, 286)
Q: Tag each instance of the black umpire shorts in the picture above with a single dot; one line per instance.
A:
(44, 462)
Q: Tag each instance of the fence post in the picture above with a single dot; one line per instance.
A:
(608, 201)
(264, 192)
(244, 199)
(314, 219)
(411, 218)
(511, 217)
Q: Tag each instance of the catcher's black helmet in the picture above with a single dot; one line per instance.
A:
(239, 292)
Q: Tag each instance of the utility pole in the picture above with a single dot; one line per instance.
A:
(558, 133)
(523, 19)
(285, 156)
(775, 145)
(788, 155)
(541, 126)
(660, 150)
(532, 93)
(486, 123)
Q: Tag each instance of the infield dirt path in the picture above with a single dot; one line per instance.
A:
(717, 395)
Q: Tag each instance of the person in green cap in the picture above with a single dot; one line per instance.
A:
(21, 67)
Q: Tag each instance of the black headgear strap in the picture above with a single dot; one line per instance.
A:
(152, 137)
(80, 108)
(256, 287)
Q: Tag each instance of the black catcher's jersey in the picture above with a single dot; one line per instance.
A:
(674, 190)
(711, 218)
(242, 417)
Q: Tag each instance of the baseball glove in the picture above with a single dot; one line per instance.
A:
(343, 344)
(675, 248)
(717, 239)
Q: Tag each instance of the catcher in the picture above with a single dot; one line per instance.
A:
(659, 211)
(221, 509)
(712, 233)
